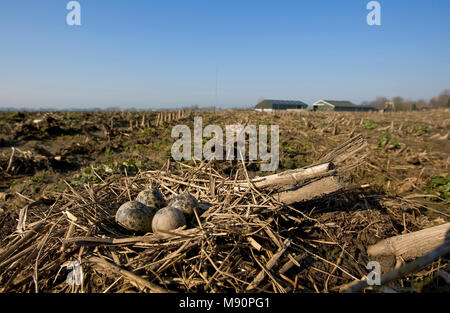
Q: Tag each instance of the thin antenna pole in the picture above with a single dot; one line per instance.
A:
(217, 82)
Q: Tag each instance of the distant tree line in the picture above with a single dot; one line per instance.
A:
(400, 104)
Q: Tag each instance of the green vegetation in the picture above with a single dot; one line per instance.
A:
(74, 115)
(293, 146)
(395, 144)
(146, 131)
(370, 125)
(15, 116)
(205, 139)
(36, 179)
(95, 175)
(85, 176)
(162, 145)
(305, 144)
(386, 139)
(289, 147)
(440, 186)
(412, 127)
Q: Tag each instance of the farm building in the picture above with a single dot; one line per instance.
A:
(269, 105)
(324, 105)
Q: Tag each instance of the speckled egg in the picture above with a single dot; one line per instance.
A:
(136, 216)
(185, 202)
(168, 218)
(151, 197)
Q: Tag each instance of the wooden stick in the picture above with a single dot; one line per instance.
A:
(294, 261)
(412, 245)
(419, 263)
(94, 241)
(11, 159)
(346, 150)
(141, 282)
(324, 186)
(271, 263)
(254, 243)
(290, 177)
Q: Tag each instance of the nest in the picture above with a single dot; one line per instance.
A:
(242, 239)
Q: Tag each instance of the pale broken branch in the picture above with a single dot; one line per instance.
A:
(412, 245)
(291, 177)
(315, 189)
(346, 150)
(411, 267)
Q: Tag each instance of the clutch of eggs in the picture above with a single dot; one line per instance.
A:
(150, 213)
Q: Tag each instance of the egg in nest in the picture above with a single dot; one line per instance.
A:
(151, 197)
(185, 202)
(168, 218)
(136, 216)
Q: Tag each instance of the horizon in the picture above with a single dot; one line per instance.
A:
(166, 55)
(192, 107)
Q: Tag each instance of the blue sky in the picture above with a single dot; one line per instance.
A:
(164, 54)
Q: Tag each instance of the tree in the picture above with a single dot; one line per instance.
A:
(398, 103)
(379, 102)
(441, 100)
(421, 104)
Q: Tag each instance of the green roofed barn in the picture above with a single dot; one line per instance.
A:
(269, 105)
(326, 105)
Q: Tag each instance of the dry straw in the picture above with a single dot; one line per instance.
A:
(243, 238)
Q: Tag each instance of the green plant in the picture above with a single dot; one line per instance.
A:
(15, 116)
(205, 139)
(148, 130)
(36, 179)
(74, 115)
(305, 144)
(440, 186)
(289, 147)
(161, 145)
(85, 175)
(395, 144)
(421, 129)
(411, 128)
(370, 125)
(384, 140)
